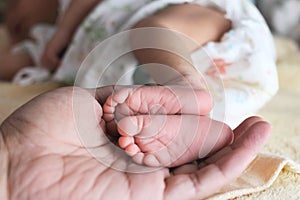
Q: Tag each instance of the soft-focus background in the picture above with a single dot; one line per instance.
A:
(282, 111)
(1, 9)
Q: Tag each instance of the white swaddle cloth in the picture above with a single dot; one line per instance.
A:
(244, 59)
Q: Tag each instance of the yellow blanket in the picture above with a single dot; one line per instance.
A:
(12, 96)
(274, 174)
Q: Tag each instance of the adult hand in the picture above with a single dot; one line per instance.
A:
(56, 48)
(54, 147)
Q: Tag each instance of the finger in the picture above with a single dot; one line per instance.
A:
(228, 167)
(238, 132)
(245, 125)
(186, 169)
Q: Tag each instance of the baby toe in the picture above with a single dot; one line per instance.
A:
(130, 126)
(122, 95)
(132, 149)
(125, 141)
(138, 158)
(151, 160)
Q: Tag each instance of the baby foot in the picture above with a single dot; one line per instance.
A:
(174, 133)
(171, 140)
(156, 100)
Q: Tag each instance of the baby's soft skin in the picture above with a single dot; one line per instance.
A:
(165, 126)
(43, 157)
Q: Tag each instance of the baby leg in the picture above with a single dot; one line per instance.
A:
(165, 131)
(12, 63)
(197, 24)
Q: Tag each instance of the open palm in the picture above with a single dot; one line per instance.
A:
(55, 148)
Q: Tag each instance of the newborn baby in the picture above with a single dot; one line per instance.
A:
(218, 40)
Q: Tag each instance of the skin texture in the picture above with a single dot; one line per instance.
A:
(176, 134)
(44, 158)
